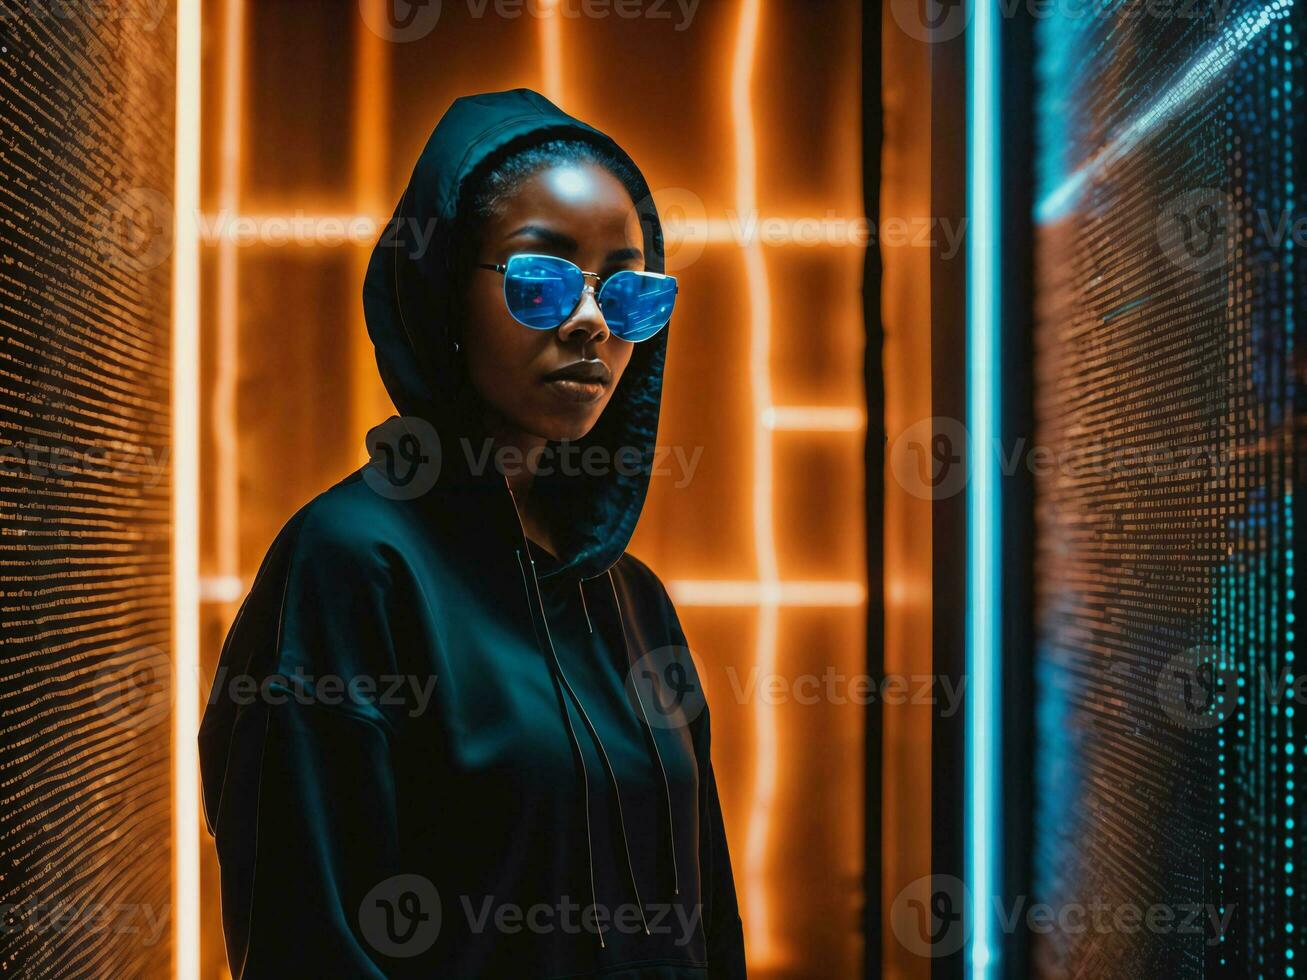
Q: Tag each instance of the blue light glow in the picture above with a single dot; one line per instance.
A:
(983, 853)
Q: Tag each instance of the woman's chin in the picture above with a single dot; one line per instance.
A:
(571, 431)
(568, 422)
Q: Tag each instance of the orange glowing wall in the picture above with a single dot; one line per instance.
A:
(746, 120)
(905, 199)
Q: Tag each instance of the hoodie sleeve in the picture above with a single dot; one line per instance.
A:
(305, 820)
(721, 915)
(721, 909)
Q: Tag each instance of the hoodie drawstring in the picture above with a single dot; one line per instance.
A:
(603, 755)
(648, 733)
(560, 679)
(576, 745)
(584, 608)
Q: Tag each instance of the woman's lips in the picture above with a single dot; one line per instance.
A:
(582, 381)
(577, 391)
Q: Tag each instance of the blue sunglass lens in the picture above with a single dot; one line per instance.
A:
(542, 291)
(636, 305)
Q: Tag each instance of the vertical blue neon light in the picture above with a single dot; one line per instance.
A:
(983, 827)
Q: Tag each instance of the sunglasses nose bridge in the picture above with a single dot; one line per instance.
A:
(593, 322)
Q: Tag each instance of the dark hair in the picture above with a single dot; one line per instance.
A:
(501, 176)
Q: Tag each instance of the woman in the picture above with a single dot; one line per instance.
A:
(439, 744)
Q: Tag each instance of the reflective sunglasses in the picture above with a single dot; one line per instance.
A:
(543, 291)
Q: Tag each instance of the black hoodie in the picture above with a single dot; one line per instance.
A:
(429, 750)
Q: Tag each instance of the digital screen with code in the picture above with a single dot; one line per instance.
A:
(86, 171)
(1169, 282)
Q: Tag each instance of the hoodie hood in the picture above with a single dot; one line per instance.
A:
(408, 301)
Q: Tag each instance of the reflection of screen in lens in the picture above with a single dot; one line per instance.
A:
(537, 296)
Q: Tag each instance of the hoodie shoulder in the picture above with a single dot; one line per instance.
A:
(349, 522)
(647, 597)
(648, 611)
(641, 575)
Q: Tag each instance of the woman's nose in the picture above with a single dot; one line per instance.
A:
(587, 322)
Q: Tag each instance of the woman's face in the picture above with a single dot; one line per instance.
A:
(553, 384)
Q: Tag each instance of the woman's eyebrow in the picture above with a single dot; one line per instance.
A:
(625, 255)
(547, 235)
(566, 243)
